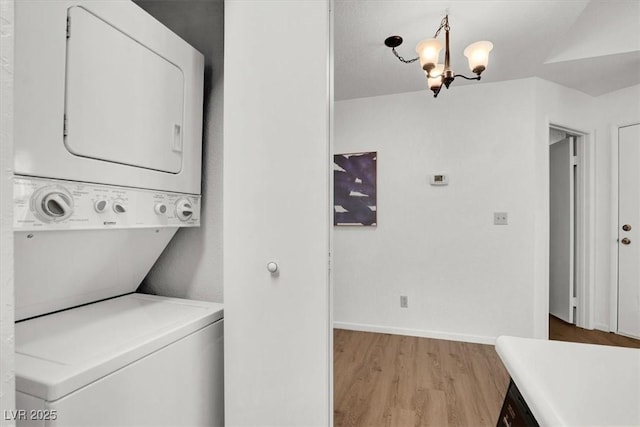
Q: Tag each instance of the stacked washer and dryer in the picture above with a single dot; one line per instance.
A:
(107, 165)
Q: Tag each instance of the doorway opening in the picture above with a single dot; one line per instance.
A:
(570, 228)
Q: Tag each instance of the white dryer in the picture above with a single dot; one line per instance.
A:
(107, 168)
(106, 94)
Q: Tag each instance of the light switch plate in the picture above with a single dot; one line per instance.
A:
(500, 218)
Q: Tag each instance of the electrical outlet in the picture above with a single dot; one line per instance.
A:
(500, 218)
(404, 301)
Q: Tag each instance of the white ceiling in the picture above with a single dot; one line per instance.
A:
(592, 46)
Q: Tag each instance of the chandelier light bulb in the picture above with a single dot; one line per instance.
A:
(434, 83)
(434, 78)
(428, 50)
(478, 55)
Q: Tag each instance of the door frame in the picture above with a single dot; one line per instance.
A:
(613, 295)
(330, 151)
(584, 252)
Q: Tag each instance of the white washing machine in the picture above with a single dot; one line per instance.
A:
(107, 168)
(134, 360)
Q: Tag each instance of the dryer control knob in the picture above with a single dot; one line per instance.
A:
(184, 210)
(101, 205)
(119, 207)
(160, 208)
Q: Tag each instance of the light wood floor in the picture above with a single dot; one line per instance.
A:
(562, 331)
(394, 380)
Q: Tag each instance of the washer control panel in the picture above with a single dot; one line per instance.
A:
(48, 204)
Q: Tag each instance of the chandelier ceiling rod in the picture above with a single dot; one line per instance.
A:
(428, 52)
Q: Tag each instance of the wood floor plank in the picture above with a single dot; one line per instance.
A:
(456, 401)
(489, 379)
(431, 408)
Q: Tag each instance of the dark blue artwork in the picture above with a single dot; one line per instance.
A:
(354, 195)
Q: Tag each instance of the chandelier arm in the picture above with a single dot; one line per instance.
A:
(465, 77)
(406, 61)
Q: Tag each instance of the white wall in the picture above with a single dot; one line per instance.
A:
(7, 361)
(191, 265)
(465, 278)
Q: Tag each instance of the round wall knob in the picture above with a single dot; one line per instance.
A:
(100, 206)
(272, 267)
(625, 241)
(626, 227)
(160, 208)
(184, 210)
(119, 207)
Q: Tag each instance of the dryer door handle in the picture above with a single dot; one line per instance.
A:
(177, 138)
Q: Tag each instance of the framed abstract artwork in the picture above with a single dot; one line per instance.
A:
(354, 195)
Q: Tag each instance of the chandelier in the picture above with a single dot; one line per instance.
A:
(429, 52)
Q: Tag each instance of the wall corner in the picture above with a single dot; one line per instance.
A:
(7, 362)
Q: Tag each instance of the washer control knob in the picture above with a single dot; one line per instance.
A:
(52, 203)
(101, 206)
(56, 205)
(160, 208)
(119, 207)
(184, 210)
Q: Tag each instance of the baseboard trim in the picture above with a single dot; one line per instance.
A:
(601, 327)
(477, 339)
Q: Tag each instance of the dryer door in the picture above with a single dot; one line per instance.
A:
(112, 82)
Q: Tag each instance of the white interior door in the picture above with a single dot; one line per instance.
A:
(629, 231)
(276, 209)
(562, 219)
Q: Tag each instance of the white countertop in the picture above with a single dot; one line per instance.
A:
(570, 384)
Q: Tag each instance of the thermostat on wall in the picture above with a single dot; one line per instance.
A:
(439, 179)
